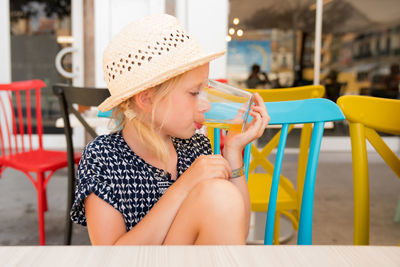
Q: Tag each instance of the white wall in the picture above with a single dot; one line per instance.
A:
(77, 33)
(207, 21)
(5, 52)
(110, 17)
(5, 55)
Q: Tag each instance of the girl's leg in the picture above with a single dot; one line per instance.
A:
(212, 213)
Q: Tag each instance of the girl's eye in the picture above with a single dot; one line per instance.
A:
(194, 93)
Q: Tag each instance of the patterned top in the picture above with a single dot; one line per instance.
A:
(111, 170)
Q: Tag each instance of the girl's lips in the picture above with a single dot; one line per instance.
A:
(198, 125)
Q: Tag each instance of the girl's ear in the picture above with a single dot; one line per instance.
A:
(144, 100)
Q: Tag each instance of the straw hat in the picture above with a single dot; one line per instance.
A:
(146, 53)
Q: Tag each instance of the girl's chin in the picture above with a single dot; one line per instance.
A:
(187, 135)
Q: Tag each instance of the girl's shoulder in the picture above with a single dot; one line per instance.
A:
(105, 142)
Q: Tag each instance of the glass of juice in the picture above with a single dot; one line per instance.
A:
(228, 106)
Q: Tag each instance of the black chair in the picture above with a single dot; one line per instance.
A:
(67, 96)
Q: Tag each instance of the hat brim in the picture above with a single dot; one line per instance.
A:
(115, 100)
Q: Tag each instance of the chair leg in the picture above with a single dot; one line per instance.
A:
(68, 222)
(360, 184)
(68, 230)
(70, 200)
(41, 207)
(397, 214)
(276, 229)
(45, 207)
(1, 170)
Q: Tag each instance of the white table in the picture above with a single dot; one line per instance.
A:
(219, 256)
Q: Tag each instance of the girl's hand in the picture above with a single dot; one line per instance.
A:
(206, 167)
(236, 141)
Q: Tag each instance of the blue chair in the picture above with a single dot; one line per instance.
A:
(316, 111)
(104, 114)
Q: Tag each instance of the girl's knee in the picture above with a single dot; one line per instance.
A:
(221, 196)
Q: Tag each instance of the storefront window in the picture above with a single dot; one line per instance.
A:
(39, 30)
(360, 48)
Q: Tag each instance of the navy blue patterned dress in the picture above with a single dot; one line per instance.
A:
(111, 170)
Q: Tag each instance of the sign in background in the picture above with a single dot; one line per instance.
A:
(243, 54)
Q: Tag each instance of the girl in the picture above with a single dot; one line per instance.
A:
(154, 181)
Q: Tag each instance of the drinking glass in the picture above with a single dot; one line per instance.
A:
(228, 106)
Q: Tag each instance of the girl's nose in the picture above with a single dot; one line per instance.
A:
(203, 105)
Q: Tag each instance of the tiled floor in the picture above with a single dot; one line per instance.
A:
(333, 208)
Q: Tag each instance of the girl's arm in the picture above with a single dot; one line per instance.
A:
(236, 161)
(236, 142)
(106, 225)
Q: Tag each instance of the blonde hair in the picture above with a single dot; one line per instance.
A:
(147, 132)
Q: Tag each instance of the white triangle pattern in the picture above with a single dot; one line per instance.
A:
(111, 170)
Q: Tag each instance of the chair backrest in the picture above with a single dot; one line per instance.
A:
(371, 114)
(283, 94)
(291, 93)
(68, 96)
(315, 111)
(19, 117)
(367, 115)
(84, 96)
(376, 113)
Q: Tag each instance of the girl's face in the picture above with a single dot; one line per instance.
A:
(179, 114)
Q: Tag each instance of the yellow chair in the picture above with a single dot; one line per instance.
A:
(366, 115)
(289, 199)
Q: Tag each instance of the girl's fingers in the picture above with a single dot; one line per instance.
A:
(260, 108)
(261, 127)
(255, 125)
(260, 123)
(222, 164)
(260, 103)
(258, 99)
(228, 170)
(216, 157)
(264, 115)
(263, 112)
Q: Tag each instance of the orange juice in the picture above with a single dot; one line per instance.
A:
(225, 126)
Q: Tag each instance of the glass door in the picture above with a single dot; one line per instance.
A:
(39, 30)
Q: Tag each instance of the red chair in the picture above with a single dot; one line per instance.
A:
(222, 80)
(18, 136)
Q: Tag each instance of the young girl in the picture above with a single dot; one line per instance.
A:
(156, 181)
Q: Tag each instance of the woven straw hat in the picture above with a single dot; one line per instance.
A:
(148, 52)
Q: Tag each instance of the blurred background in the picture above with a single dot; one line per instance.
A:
(360, 47)
(360, 43)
